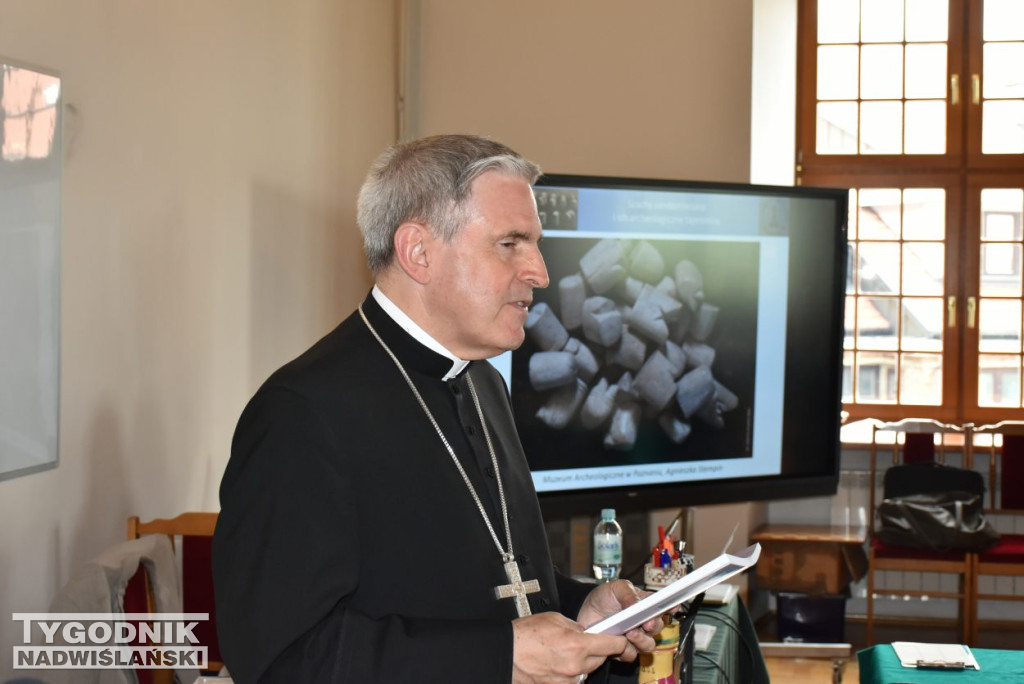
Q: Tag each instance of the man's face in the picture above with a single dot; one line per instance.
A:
(482, 282)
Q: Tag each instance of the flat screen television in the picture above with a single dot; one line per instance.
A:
(688, 349)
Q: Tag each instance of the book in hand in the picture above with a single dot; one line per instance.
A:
(683, 589)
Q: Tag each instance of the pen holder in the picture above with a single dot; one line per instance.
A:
(660, 667)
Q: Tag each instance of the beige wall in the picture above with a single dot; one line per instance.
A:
(658, 89)
(213, 151)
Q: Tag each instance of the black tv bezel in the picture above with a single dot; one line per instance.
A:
(806, 483)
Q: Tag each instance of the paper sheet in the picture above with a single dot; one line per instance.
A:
(952, 656)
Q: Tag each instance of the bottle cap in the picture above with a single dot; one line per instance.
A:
(607, 514)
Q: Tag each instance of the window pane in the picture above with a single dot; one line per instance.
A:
(1001, 201)
(1003, 20)
(999, 325)
(921, 379)
(879, 216)
(838, 21)
(837, 128)
(847, 376)
(927, 20)
(851, 218)
(922, 324)
(850, 315)
(881, 72)
(881, 21)
(998, 380)
(1002, 127)
(924, 214)
(881, 127)
(924, 268)
(876, 378)
(925, 127)
(837, 72)
(1003, 75)
(878, 269)
(877, 318)
(926, 71)
(1000, 270)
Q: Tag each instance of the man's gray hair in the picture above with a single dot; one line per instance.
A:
(428, 181)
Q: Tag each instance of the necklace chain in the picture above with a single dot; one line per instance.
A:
(506, 556)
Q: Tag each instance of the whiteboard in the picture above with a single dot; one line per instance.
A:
(30, 194)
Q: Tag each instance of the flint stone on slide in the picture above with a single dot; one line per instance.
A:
(551, 369)
(598, 405)
(689, 283)
(626, 393)
(725, 398)
(711, 414)
(705, 323)
(667, 287)
(699, 354)
(630, 352)
(571, 295)
(602, 322)
(544, 328)
(679, 326)
(694, 390)
(676, 358)
(669, 306)
(630, 290)
(654, 383)
(646, 319)
(602, 265)
(676, 429)
(622, 431)
(586, 363)
(561, 406)
(646, 262)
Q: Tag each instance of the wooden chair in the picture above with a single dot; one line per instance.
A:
(914, 441)
(195, 530)
(1001, 460)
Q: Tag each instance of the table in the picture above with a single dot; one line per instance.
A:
(815, 559)
(879, 665)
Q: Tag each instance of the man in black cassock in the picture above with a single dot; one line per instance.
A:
(378, 519)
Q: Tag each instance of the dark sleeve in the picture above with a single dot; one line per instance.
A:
(571, 595)
(285, 562)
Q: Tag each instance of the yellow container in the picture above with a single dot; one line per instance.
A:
(659, 667)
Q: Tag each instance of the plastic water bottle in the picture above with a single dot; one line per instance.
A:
(607, 547)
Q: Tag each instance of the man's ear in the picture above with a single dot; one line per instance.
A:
(411, 250)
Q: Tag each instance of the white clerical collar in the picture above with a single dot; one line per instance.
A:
(421, 335)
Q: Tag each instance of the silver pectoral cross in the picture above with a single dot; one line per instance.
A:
(516, 588)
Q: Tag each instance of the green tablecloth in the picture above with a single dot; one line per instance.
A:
(879, 665)
(734, 647)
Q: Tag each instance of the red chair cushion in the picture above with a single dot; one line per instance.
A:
(1012, 490)
(888, 551)
(919, 447)
(135, 601)
(1010, 549)
(197, 590)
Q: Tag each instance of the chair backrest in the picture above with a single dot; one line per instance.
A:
(1005, 464)
(195, 552)
(931, 478)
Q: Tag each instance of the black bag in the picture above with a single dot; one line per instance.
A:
(934, 507)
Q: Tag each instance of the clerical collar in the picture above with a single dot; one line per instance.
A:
(418, 333)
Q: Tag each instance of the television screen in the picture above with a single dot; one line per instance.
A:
(688, 349)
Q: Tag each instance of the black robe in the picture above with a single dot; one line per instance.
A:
(348, 548)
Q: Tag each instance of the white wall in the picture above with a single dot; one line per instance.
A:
(213, 151)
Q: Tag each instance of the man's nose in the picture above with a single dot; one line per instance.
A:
(535, 272)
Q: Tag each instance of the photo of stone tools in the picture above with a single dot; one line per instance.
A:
(640, 350)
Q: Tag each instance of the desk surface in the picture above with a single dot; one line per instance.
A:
(810, 533)
(879, 665)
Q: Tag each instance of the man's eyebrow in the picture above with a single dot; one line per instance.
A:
(521, 235)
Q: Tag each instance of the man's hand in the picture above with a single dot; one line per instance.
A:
(549, 648)
(608, 599)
